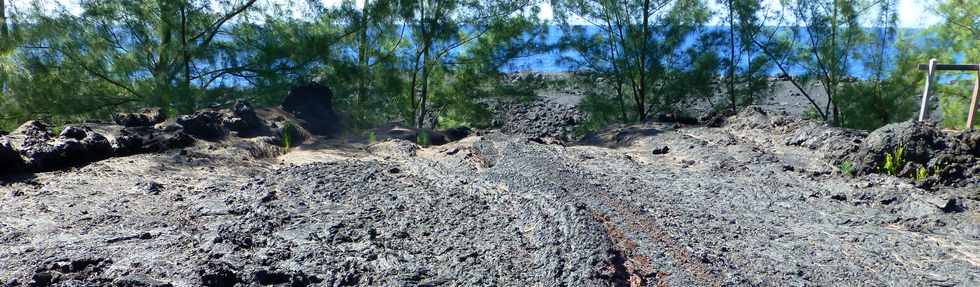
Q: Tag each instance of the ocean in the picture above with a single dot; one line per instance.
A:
(549, 62)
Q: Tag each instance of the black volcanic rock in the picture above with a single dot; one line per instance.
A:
(145, 118)
(312, 106)
(207, 125)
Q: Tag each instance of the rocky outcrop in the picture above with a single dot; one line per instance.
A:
(145, 118)
(207, 125)
(32, 147)
(540, 119)
(919, 141)
(311, 105)
(243, 120)
(37, 149)
(920, 150)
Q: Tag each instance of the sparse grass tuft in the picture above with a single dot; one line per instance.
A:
(287, 137)
(921, 174)
(846, 167)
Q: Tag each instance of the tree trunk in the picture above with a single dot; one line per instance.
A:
(641, 105)
(617, 71)
(362, 58)
(186, 61)
(834, 67)
(161, 72)
(411, 95)
(425, 83)
(731, 68)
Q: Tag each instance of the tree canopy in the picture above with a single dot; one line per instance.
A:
(435, 63)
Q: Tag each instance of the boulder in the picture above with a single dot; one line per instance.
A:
(919, 141)
(145, 118)
(243, 120)
(311, 104)
(95, 146)
(946, 159)
(394, 147)
(9, 157)
(834, 142)
(207, 125)
(73, 132)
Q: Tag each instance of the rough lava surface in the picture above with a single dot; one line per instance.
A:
(758, 201)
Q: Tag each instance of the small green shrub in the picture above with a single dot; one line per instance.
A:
(921, 174)
(846, 167)
(372, 137)
(422, 138)
(57, 129)
(938, 168)
(287, 137)
(894, 161)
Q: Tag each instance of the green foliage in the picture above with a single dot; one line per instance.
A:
(372, 137)
(117, 54)
(422, 138)
(435, 63)
(953, 40)
(384, 60)
(921, 174)
(826, 38)
(894, 161)
(640, 48)
(745, 65)
(846, 167)
(288, 136)
(602, 110)
(884, 98)
(938, 168)
(955, 106)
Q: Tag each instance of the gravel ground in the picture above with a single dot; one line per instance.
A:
(643, 205)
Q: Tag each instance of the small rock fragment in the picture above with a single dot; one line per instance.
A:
(661, 150)
(954, 205)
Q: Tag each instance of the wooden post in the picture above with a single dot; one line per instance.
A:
(932, 67)
(973, 101)
(923, 109)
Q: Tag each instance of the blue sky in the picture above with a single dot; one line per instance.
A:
(911, 13)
